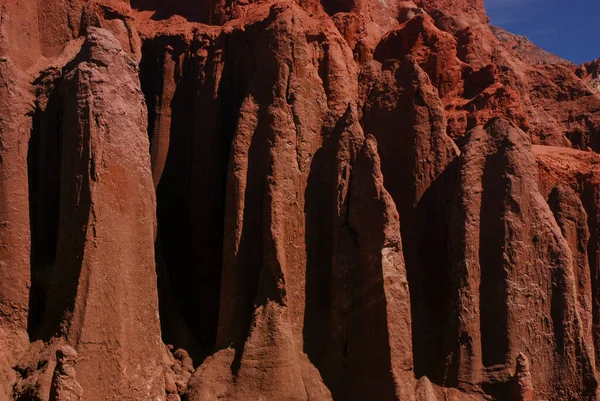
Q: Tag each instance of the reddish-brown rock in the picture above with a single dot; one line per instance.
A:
(379, 340)
(524, 49)
(402, 109)
(101, 296)
(64, 381)
(579, 171)
(293, 200)
(505, 233)
(522, 386)
(590, 73)
(15, 243)
(573, 222)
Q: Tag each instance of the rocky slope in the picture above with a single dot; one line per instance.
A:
(590, 73)
(293, 200)
(524, 49)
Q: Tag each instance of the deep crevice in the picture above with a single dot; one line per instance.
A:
(493, 295)
(423, 219)
(429, 278)
(325, 336)
(43, 166)
(76, 207)
(191, 190)
(250, 257)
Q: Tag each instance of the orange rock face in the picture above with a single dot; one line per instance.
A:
(294, 200)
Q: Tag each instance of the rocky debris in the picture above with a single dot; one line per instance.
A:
(35, 370)
(64, 382)
(523, 387)
(179, 369)
(425, 391)
(317, 200)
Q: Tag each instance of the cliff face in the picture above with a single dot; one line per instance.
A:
(279, 200)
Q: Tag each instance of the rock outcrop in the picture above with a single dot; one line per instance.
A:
(379, 340)
(294, 200)
(93, 223)
(525, 50)
(64, 383)
(505, 232)
(522, 385)
(590, 73)
(15, 240)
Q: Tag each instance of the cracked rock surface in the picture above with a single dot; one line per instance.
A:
(294, 200)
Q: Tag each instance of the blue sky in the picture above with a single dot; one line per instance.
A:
(566, 28)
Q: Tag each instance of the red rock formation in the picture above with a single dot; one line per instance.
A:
(379, 343)
(505, 233)
(403, 111)
(522, 386)
(590, 73)
(579, 171)
(572, 220)
(525, 50)
(14, 219)
(64, 383)
(101, 296)
(318, 200)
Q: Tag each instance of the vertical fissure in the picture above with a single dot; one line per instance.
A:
(493, 286)
(43, 166)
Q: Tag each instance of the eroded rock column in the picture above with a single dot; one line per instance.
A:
(102, 295)
(508, 247)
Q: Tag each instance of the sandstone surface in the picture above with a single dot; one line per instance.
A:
(294, 200)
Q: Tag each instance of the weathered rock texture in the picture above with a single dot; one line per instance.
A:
(590, 73)
(293, 200)
(64, 383)
(504, 232)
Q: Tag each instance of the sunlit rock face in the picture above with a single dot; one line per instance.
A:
(293, 200)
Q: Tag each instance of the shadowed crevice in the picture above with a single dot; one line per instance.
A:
(43, 166)
(493, 295)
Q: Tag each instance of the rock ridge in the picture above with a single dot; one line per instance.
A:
(294, 200)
